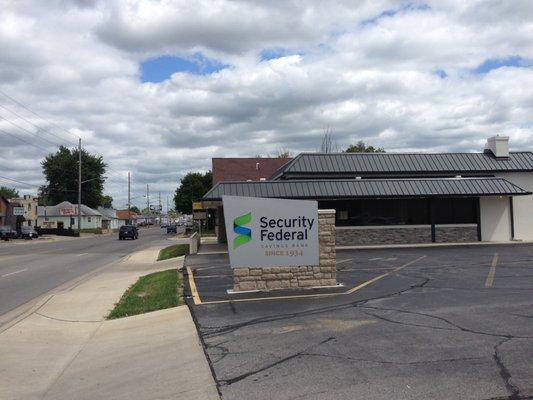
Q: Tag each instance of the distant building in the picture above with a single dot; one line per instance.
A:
(129, 217)
(146, 219)
(110, 220)
(65, 215)
(29, 204)
(245, 169)
(4, 207)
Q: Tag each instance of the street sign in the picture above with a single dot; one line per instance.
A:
(271, 232)
(18, 210)
(67, 211)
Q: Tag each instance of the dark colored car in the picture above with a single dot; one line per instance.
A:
(172, 229)
(6, 232)
(28, 232)
(128, 231)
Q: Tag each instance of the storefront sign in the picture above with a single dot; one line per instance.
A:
(271, 232)
(197, 206)
(67, 211)
(18, 210)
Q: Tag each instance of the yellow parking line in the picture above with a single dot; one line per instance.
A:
(492, 271)
(377, 278)
(192, 285)
(299, 296)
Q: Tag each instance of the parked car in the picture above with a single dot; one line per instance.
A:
(172, 229)
(28, 232)
(6, 232)
(128, 231)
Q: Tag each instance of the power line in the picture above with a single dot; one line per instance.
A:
(19, 182)
(27, 130)
(34, 113)
(25, 141)
(109, 170)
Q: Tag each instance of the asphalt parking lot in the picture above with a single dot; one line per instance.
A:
(424, 323)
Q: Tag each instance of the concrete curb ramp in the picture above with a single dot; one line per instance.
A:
(67, 350)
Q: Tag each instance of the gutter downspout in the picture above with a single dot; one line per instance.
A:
(511, 216)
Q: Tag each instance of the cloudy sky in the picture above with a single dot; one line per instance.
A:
(160, 87)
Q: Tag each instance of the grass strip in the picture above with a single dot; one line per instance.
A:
(175, 250)
(152, 292)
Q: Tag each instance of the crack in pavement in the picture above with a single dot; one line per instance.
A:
(513, 390)
(210, 332)
(227, 382)
(453, 324)
(393, 362)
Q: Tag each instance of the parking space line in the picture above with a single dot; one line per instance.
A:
(377, 278)
(192, 285)
(492, 271)
(196, 297)
(343, 261)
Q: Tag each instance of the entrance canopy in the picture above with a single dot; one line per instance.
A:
(367, 188)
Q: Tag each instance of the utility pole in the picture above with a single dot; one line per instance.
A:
(79, 185)
(148, 197)
(129, 197)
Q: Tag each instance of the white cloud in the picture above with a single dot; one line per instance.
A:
(77, 64)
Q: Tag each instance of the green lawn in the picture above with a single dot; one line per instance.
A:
(152, 292)
(176, 250)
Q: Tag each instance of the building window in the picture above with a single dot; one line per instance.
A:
(88, 219)
(374, 212)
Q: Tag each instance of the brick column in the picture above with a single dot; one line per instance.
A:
(325, 274)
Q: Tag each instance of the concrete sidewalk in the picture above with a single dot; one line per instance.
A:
(66, 349)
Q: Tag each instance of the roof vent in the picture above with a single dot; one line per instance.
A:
(498, 146)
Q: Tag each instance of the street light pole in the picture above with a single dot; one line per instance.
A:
(129, 195)
(79, 185)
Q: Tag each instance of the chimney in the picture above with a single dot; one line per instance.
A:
(498, 146)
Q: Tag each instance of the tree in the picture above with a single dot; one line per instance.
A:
(361, 147)
(106, 201)
(61, 172)
(172, 214)
(328, 145)
(135, 209)
(192, 188)
(283, 152)
(8, 193)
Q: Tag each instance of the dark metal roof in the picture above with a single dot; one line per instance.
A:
(367, 188)
(402, 163)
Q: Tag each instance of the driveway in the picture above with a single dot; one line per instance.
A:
(426, 323)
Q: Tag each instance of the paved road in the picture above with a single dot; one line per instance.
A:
(456, 324)
(31, 269)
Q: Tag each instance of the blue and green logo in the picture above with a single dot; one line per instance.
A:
(244, 234)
